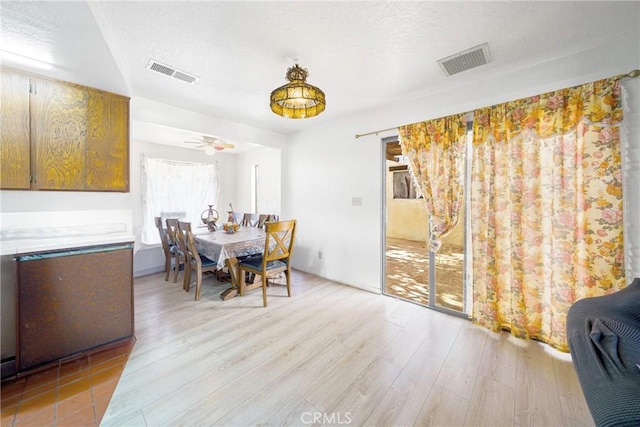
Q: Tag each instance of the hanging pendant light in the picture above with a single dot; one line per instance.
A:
(297, 99)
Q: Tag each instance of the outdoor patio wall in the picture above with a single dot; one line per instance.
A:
(406, 218)
(327, 166)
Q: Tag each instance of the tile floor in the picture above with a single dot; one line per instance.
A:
(74, 393)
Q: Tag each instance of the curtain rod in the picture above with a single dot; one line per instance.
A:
(631, 74)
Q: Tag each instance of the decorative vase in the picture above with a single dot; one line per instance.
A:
(209, 217)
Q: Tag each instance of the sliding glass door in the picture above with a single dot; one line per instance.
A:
(410, 271)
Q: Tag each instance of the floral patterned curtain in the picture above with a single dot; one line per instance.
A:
(435, 151)
(546, 208)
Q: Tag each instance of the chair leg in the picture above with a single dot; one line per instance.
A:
(167, 268)
(176, 269)
(186, 278)
(264, 290)
(288, 274)
(198, 283)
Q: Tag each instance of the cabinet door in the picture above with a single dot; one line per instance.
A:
(71, 302)
(59, 129)
(107, 156)
(15, 167)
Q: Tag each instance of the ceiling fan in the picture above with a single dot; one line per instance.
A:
(211, 144)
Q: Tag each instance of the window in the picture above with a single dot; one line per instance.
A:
(255, 175)
(177, 190)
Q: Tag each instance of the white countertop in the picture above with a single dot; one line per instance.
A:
(20, 241)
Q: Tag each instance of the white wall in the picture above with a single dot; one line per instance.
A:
(145, 110)
(270, 181)
(327, 166)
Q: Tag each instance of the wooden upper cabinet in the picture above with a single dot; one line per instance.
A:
(107, 159)
(59, 130)
(15, 151)
(62, 136)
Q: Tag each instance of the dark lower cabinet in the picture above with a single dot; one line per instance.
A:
(72, 302)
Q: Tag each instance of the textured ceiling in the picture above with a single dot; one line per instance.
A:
(62, 33)
(364, 55)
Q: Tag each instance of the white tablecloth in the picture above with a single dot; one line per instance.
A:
(220, 245)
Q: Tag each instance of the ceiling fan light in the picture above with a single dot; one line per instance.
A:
(297, 99)
(210, 150)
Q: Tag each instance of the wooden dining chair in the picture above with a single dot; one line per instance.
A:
(250, 220)
(167, 247)
(276, 258)
(262, 219)
(183, 255)
(266, 217)
(172, 227)
(172, 239)
(197, 263)
(237, 217)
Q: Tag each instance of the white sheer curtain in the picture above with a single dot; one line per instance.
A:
(177, 190)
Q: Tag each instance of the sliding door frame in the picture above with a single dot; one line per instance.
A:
(432, 271)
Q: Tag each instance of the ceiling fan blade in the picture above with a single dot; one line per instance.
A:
(215, 142)
(209, 139)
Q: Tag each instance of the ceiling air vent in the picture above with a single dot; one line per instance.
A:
(171, 72)
(465, 60)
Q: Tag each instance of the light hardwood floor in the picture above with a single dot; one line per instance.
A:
(331, 354)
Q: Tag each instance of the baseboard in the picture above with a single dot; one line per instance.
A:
(8, 368)
(148, 271)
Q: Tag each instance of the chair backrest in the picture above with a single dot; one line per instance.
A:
(163, 233)
(266, 217)
(250, 220)
(237, 217)
(181, 237)
(172, 231)
(190, 246)
(279, 240)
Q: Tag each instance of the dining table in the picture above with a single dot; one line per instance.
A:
(226, 248)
